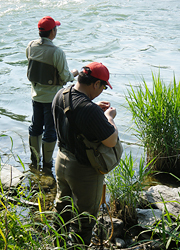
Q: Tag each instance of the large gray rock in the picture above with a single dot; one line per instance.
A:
(147, 217)
(156, 194)
(151, 219)
(10, 176)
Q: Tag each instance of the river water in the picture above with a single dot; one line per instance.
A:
(133, 38)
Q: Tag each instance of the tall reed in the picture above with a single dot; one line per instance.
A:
(156, 114)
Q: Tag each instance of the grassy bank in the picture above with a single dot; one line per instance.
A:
(156, 114)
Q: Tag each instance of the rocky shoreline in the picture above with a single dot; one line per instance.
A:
(155, 198)
(160, 202)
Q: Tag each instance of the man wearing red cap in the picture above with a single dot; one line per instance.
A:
(74, 174)
(48, 71)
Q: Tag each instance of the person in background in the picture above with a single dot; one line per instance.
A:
(48, 71)
(75, 176)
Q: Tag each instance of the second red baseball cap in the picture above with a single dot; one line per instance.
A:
(99, 71)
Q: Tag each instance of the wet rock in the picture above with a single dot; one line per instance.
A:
(120, 243)
(118, 228)
(156, 194)
(147, 217)
(10, 176)
(111, 226)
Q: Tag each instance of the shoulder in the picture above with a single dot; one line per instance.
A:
(78, 99)
(30, 43)
(58, 52)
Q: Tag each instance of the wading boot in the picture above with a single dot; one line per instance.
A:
(48, 149)
(35, 143)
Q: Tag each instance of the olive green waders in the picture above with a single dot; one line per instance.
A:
(84, 185)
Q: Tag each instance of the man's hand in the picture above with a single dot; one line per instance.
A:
(75, 72)
(104, 105)
(110, 113)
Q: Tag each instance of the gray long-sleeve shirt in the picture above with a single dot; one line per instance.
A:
(38, 51)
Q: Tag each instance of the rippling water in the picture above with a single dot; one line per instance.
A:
(131, 37)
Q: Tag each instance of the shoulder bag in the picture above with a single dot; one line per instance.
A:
(102, 158)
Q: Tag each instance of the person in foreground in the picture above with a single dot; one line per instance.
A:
(74, 174)
(48, 72)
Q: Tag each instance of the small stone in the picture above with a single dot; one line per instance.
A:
(120, 243)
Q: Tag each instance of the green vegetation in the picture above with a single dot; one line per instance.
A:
(25, 225)
(165, 233)
(24, 221)
(19, 231)
(156, 114)
(125, 184)
(32, 228)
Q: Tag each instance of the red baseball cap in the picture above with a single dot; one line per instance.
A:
(99, 71)
(47, 23)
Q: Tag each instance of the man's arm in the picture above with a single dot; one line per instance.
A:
(60, 63)
(111, 141)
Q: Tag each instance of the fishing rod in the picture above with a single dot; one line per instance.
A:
(103, 203)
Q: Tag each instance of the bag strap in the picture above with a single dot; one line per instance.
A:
(66, 99)
(88, 143)
(67, 107)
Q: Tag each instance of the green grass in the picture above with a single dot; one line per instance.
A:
(23, 226)
(125, 184)
(156, 114)
(168, 228)
(26, 229)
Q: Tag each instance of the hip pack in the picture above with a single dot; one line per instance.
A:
(102, 158)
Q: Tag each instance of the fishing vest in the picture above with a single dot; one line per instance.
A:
(41, 66)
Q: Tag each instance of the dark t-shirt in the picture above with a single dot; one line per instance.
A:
(88, 120)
